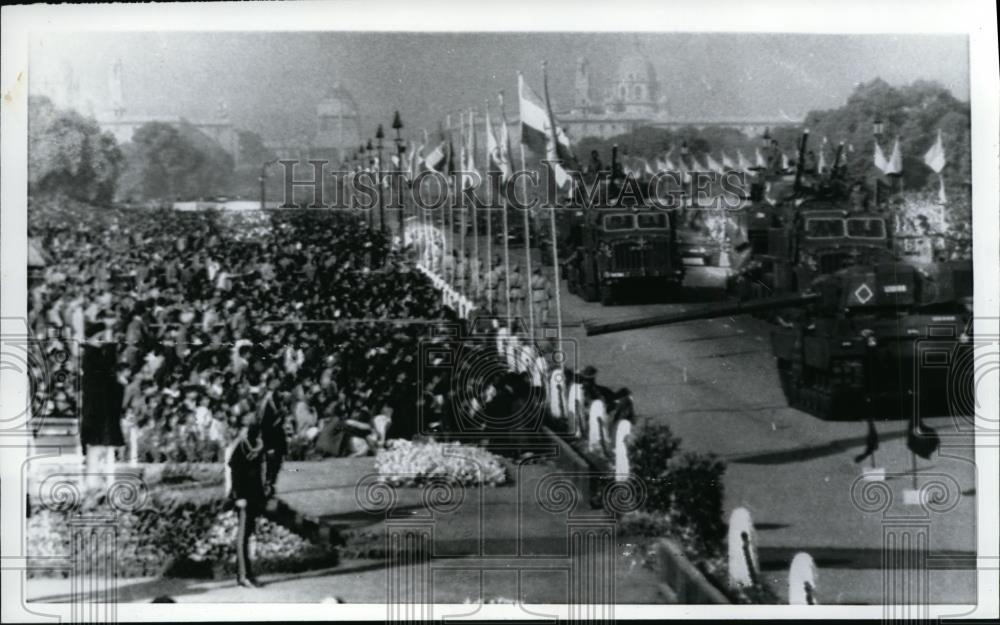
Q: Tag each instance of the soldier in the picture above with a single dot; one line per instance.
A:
(516, 291)
(247, 479)
(476, 277)
(461, 272)
(541, 293)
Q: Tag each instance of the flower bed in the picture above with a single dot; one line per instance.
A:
(180, 530)
(408, 463)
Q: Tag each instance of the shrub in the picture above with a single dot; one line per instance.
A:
(697, 490)
(652, 446)
(406, 463)
(685, 489)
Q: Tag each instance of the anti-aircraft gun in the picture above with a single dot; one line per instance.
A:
(806, 224)
(855, 340)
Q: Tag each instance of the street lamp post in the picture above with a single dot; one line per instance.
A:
(379, 135)
(370, 162)
(263, 182)
(877, 129)
(397, 125)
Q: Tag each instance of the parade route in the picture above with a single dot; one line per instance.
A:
(714, 383)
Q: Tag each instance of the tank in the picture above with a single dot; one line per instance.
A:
(855, 341)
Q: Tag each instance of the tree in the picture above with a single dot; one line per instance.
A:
(167, 162)
(69, 155)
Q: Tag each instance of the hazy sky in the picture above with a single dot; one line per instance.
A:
(272, 81)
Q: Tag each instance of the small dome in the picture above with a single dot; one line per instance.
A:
(635, 68)
(338, 101)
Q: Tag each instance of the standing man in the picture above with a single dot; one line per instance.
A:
(516, 291)
(247, 479)
(541, 292)
(272, 431)
(103, 394)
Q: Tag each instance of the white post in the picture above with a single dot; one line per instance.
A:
(742, 548)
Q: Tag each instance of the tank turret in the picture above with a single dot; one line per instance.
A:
(850, 344)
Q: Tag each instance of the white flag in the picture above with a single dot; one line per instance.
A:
(935, 158)
(880, 160)
(895, 164)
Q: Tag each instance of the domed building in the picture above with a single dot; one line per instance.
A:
(338, 125)
(632, 99)
(635, 90)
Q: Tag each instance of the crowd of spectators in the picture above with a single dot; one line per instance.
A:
(213, 313)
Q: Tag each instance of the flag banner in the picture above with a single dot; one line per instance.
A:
(785, 165)
(727, 163)
(535, 124)
(492, 145)
(416, 160)
(759, 161)
(895, 164)
(743, 162)
(712, 164)
(821, 162)
(880, 160)
(942, 197)
(437, 159)
(935, 158)
(506, 162)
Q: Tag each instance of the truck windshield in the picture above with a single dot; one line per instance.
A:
(865, 228)
(651, 221)
(619, 222)
(824, 228)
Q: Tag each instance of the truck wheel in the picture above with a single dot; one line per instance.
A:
(607, 295)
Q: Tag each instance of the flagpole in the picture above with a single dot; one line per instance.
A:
(527, 252)
(552, 218)
(461, 209)
(506, 227)
(489, 215)
(475, 222)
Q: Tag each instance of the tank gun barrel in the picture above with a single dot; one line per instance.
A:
(595, 328)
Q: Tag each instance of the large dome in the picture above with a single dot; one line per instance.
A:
(635, 68)
(337, 102)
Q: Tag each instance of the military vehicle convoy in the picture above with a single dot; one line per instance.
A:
(607, 247)
(856, 331)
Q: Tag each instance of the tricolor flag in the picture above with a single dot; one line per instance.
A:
(536, 124)
(539, 127)
(496, 158)
(880, 161)
(438, 158)
(895, 164)
(506, 162)
(935, 158)
(417, 158)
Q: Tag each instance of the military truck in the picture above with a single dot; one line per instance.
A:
(607, 247)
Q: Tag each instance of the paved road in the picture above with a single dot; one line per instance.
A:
(715, 384)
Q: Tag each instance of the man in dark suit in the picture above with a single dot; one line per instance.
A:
(246, 465)
(271, 417)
